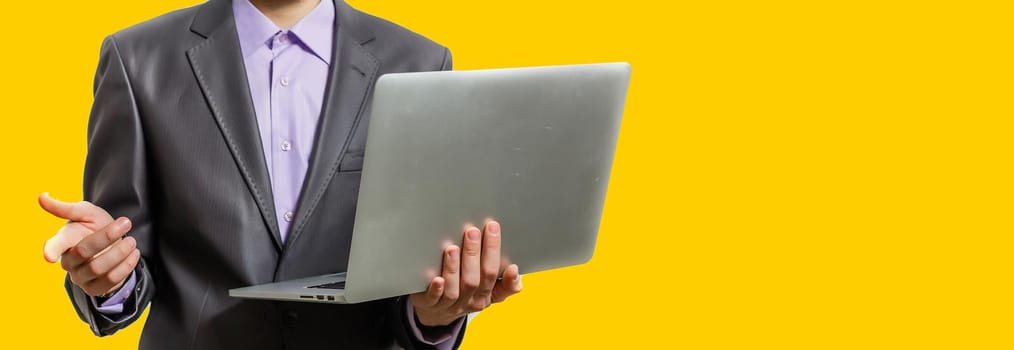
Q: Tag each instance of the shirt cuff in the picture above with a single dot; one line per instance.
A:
(114, 304)
(442, 337)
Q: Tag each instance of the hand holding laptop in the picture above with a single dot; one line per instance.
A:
(543, 173)
(469, 279)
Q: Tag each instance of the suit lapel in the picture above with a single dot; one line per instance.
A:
(217, 63)
(352, 71)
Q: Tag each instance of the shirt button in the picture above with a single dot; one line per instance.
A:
(286, 146)
(288, 216)
(285, 82)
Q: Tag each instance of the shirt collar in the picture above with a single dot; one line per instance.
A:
(315, 30)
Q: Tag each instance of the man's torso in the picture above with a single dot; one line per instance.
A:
(211, 204)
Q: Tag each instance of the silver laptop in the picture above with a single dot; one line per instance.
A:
(529, 147)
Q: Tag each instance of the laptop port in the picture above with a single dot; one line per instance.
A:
(320, 297)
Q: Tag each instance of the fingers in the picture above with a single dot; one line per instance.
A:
(91, 245)
(509, 285)
(105, 262)
(452, 275)
(468, 280)
(68, 236)
(489, 262)
(83, 218)
(432, 294)
(99, 241)
(112, 280)
(433, 307)
(471, 249)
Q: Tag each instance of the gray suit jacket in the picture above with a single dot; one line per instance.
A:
(173, 144)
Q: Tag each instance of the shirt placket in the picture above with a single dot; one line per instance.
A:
(283, 133)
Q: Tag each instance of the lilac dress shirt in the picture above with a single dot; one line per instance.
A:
(287, 72)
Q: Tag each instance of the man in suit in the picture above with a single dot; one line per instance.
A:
(228, 140)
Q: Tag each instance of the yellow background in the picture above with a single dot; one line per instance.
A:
(790, 174)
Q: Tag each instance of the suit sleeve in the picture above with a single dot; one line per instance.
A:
(447, 64)
(115, 178)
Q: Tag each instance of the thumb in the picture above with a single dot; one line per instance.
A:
(61, 209)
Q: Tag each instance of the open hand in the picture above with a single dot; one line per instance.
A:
(89, 247)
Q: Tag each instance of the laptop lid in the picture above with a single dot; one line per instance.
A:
(529, 147)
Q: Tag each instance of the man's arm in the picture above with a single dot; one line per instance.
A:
(115, 179)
